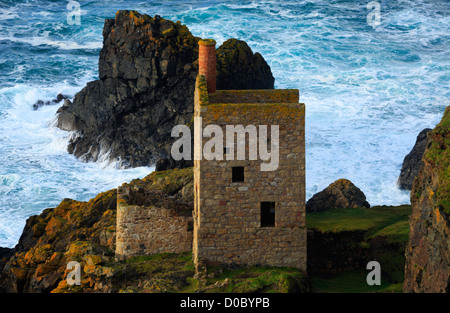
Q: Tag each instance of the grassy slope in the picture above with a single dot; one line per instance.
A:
(388, 221)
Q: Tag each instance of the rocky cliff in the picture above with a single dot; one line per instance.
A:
(147, 71)
(413, 161)
(428, 252)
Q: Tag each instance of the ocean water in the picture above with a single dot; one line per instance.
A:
(368, 90)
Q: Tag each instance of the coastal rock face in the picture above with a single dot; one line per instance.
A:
(413, 161)
(39, 260)
(80, 231)
(340, 194)
(428, 251)
(147, 71)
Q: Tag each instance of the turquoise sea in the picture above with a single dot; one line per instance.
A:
(368, 89)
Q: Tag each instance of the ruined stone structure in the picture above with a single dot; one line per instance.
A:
(243, 215)
(150, 222)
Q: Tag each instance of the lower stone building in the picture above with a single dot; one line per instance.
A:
(151, 222)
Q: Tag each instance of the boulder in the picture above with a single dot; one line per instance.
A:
(413, 161)
(147, 70)
(340, 194)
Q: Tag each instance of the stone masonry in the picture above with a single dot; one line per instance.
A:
(150, 222)
(228, 216)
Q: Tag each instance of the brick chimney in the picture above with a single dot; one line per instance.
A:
(207, 62)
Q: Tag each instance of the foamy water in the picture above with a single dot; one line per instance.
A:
(368, 92)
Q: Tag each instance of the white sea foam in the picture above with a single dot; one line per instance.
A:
(36, 170)
(44, 39)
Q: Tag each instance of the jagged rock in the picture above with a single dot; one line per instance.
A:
(37, 263)
(413, 161)
(428, 251)
(40, 103)
(238, 67)
(340, 194)
(147, 71)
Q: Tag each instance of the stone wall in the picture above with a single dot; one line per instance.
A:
(254, 96)
(227, 215)
(150, 222)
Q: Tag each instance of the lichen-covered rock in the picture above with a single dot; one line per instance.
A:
(340, 194)
(428, 252)
(413, 161)
(38, 262)
(147, 70)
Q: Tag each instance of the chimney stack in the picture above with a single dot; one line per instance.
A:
(207, 62)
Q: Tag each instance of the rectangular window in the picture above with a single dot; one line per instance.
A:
(237, 174)
(267, 214)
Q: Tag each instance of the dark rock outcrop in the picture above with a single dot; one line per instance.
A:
(58, 99)
(169, 163)
(5, 252)
(413, 161)
(147, 71)
(340, 194)
(239, 68)
(428, 251)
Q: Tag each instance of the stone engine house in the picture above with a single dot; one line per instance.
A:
(242, 215)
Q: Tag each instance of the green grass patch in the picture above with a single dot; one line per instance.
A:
(396, 232)
(388, 221)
